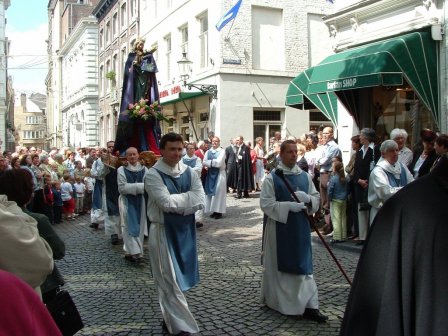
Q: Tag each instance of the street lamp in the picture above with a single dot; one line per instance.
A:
(184, 70)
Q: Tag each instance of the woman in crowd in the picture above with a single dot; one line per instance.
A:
(366, 159)
(425, 157)
(441, 147)
(259, 166)
(301, 160)
(388, 176)
(405, 155)
(352, 210)
(21, 192)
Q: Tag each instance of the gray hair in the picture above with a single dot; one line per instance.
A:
(58, 156)
(396, 132)
(43, 157)
(388, 145)
(369, 133)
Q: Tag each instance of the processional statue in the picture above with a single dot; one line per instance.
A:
(140, 111)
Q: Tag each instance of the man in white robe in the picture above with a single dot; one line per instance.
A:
(216, 181)
(388, 176)
(132, 205)
(288, 284)
(195, 163)
(175, 193)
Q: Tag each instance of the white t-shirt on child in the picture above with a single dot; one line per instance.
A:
(80, 189)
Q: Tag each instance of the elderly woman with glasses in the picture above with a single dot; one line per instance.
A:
(405, 155)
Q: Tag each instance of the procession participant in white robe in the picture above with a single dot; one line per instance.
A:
(175, 193)
(288, 284)
(195, 163)
(216, 180)
(110, 195)
(388, 176)
(99, 194)
(132, 205)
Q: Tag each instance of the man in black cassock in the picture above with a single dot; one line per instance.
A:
(231, 168)
(244, 169)
(400, 285)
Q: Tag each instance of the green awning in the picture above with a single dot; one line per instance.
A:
(183, 96)
(412, 57)
(297, 97)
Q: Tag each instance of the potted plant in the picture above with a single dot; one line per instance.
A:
(111, 75)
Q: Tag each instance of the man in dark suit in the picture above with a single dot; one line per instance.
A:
(244, 169)
(231, 167)
(366, 159)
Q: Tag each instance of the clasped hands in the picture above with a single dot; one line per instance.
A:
(303, 198)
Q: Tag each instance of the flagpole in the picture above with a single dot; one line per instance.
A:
(228, 33)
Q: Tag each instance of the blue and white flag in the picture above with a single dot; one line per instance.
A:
(229, 16)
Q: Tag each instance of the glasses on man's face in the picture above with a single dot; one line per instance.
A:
(110, 146)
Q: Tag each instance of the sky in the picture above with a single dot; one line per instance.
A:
(27, 30)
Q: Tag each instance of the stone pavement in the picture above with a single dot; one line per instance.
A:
(118, 298)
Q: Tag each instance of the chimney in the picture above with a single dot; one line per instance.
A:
(23, 100)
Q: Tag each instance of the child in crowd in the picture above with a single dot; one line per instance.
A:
(80, 189)
(79, 170)
(54, 172)
(57, 201)
(67, 198)
(337, 194)
(89, 183)
(48, 198)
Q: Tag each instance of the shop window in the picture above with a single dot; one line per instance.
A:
(203, 117)
(185, 120)
(399, 107)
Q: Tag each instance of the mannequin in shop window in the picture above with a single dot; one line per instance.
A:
(139, 83)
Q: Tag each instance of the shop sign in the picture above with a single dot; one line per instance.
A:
(170, 93)
(342, 84)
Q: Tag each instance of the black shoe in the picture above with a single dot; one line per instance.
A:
(218, 215)
(314, 315)
(238, 197)
(246, 195)
(199, 225)
(335, 241)
(213, 215)
(360, 242)
(184, 333)
(114, 239)
(94, 226)
(164, 327)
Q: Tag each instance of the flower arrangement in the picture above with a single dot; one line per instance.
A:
(141, 110)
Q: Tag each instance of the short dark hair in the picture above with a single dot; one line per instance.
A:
(428, 135)
(21, 190)
(356, 139)
(23, 160)
(442, 140)
(369, 133)
(286, 142)
(170, 137)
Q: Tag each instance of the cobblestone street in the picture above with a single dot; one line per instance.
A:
(118, 298)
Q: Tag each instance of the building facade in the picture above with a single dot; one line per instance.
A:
(30, 121)
(3, 77)
(118, 27)
(63, 17)
(80, 85)
(251, 61)
(388, 70)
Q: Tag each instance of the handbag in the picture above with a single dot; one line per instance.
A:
(65, 314)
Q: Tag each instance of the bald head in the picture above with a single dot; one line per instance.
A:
(132, 155)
